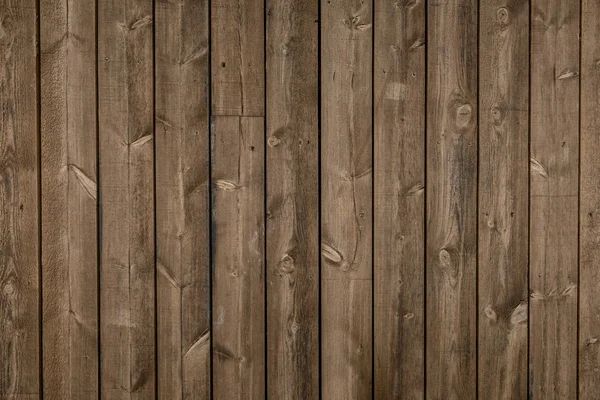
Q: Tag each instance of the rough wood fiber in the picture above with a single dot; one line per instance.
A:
(69, 193)
(399, 199)
(237, 57)
(503, 198)
(126, 196)
(182, 194)
(346, 199)
(292, 199)
(554, 198)
(19, 208)
(238, 258)
(589, 312)
(451, 199)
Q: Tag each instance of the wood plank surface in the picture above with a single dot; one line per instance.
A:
(346, 199)
(69, 193)
(399, 163)
(589, 305)
(237, 57)
(451, 200)
(238, 257)
(292, 199)
(182, 199)
(127, 317)
(19, 203)
(554, 199)
(503, 198)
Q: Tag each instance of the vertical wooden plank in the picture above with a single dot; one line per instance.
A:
(292, 199)
(589, 312)
(346, 202)
(69, 213)
(554, 198)
(503, 198)
(19, 208)
(451, 199)
(182, 190)
(126, 197)
(399, 199)
(237, 57)
(238, 270)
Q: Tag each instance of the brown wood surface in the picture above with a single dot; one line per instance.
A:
(182, 199)
(292, 199)
(399, 194)
(554, 159)
(451, 200)
(19, 203)
(346, 199)
(125, 52)
(238, 257)
(503, 198)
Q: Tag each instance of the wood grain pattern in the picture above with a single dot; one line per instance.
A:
(554, 197)
(503, 199)
(69, 193)
(399, 165)
(19, 208)
(238, 258)
(127, 198)
(346, 199)
(451, 200)
(182, 198)
(237, 57)
(292, 199)
(589, 306)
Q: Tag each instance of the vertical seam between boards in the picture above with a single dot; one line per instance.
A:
(577, 383)
(424, 227)
(98, 213)
(39, 199)
(477, 163)
(154, 191)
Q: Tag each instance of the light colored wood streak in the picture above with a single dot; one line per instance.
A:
(182, 194)
(19, 224)
(451, 199)
(292, 199)
(553, 203)
(399, 199)
(126, 197)
(503, 204)
(589, 312)
(238, 258)
(237, 57)
(69, 193)
(346, 199)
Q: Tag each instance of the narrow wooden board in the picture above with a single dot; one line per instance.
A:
(589, 311)
(503, 198)
(69, 193)
(451, 332)
(346, 199)
(19, 208)
(125, 56)
(399, 164)
(238, 258)
(237, 47)
(292, 199)
(554, 199)
(182, 199)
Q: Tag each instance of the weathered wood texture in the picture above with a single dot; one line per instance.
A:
(399, 180)
(19, 203)
(238, 257)
(69, 193)
(182, 199)
(503, 198)
(451, 200)
(589, 311)
(125, 67)
(346, 199)
(292, 199)
(554, 188)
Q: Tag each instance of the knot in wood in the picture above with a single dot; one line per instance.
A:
(463, 115)
(502, 15)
